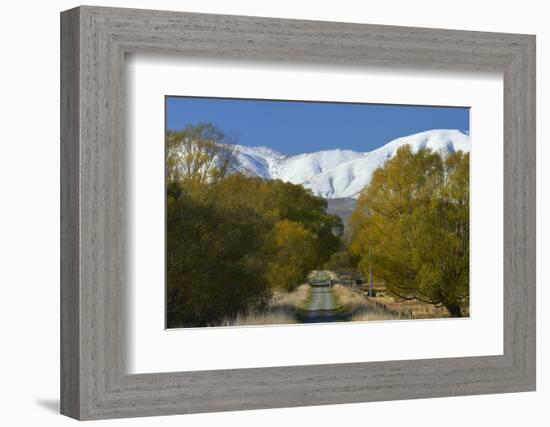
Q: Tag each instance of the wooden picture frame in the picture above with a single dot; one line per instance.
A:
(94, 41)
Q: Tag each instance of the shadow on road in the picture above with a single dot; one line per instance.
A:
(321, 316)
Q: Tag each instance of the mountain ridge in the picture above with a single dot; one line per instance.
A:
(340, 173)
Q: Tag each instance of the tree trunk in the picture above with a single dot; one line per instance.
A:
(454, 310)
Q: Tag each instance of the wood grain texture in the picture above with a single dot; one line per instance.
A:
(70, 315)
(94, 272)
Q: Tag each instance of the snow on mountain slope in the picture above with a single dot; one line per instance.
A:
(344, 180)
(303, 167)
(256, 161)
(340, 173)
(444, 141)
(349, 178)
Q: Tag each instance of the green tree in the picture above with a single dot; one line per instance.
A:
(232, 238)
(414, 218)
(342, 263)
(293, 255)
(214, 261)
(214, 248)
(276, 200)
(297, 204)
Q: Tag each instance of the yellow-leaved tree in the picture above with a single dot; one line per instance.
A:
(197, 156)
(413, 219)
(294, 254)
(232, 238)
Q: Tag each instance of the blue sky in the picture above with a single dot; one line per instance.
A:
(295, 127)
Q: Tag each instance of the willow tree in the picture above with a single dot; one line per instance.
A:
(214, 248)
(294, 252)
(198, 155)
(413, 218)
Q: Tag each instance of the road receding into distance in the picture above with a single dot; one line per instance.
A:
(323, 306)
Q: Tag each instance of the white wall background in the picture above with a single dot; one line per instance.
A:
(29, 213)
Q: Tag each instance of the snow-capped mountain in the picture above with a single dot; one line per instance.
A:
(340, 173)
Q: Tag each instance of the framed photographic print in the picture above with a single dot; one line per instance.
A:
(263, 213)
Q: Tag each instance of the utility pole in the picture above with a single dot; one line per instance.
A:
(370, 275)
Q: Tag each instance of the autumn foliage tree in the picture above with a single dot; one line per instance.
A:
(197, 156)
(214, 268)
(210, 272)
(232, 239)
(414, 219)
(343, 263)
(294, 252)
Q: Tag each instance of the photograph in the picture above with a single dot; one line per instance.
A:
(285, 212)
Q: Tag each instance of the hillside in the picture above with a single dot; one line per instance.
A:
(335, 174)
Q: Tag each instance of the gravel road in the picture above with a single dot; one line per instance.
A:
(322, 299)
(322, 307)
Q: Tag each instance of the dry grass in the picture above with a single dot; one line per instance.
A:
(349, 298)
(369, 316)
(280, 311)
(414, 309)
(386, 307)
(360, 307)
(266, 318)
(296, 299)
